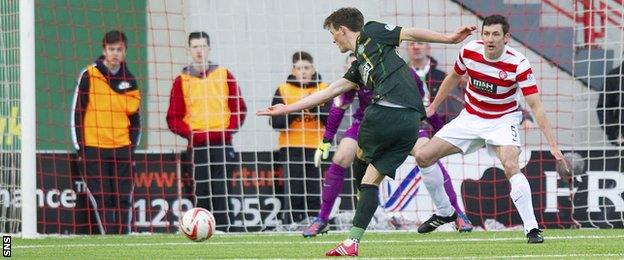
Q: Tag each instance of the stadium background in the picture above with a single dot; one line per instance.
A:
(255, 39)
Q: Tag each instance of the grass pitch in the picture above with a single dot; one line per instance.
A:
(560, 244)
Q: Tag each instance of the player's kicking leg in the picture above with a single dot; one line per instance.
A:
(520, 191)
(366, 207)
(385, 148)
(332, 185)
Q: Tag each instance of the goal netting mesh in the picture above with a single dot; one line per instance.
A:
(9, 117)
(572, 47)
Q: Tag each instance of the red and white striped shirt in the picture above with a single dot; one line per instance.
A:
(492, 86)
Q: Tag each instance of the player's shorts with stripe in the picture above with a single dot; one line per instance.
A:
(469, 132)
(387, 135)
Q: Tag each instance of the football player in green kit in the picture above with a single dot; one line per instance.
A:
(390, 126)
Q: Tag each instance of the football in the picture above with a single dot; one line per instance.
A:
(198, 224)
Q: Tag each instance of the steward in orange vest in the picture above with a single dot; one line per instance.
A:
(206, 108)
(106, 129)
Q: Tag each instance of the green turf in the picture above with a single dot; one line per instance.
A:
(580, 244)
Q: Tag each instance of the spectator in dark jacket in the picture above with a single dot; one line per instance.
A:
(420, 60)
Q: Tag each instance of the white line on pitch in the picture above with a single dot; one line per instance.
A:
(306, 242)
(483, 257)
(505, 256)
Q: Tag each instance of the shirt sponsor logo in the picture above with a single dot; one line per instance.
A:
(390, 27)
(484, 86)
(365, 69)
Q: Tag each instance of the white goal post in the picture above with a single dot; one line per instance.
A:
(28, 118)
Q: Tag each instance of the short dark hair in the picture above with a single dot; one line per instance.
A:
(302, 55)
(496, 19)
(349, 17)
(114, 36)
(198, 35)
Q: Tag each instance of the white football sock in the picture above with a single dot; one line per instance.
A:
(434, 181)
(521, 197)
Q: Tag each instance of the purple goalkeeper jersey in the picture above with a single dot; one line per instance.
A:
(337, 111)
(365, 96)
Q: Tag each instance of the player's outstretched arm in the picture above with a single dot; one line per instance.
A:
(335, 88)
(450, 81)
(544, 124)
(426, 35)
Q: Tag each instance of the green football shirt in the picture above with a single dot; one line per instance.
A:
(380, 68)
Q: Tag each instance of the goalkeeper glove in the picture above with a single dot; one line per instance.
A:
(321, 151)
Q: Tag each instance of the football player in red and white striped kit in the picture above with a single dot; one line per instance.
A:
(490, 118)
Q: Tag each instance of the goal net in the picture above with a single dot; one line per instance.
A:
(264, 179)
(9, 117)
(597, 187)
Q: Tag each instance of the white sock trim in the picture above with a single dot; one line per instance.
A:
(518, 179)
(434, 182)
(429, 170)
(522, 199)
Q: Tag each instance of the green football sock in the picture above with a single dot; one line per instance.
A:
(356, 233)
(366, 207)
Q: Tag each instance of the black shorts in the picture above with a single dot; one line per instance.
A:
(387, 136)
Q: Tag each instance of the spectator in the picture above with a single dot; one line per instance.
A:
(425, 66)
(300, 133)
(106, 130)
(206, 108)
(610, 106)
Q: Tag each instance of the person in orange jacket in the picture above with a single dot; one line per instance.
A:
(206, 108)
(300, 133)
(106, 129)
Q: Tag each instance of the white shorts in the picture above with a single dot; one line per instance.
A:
(469, 132)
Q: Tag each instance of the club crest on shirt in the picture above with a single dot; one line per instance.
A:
(502, 74)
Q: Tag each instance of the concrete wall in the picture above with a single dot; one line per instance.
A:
(254, 39)
(166, 56)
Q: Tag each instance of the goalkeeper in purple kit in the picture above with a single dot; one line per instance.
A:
(346, 154)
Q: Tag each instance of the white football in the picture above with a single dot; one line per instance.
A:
(197, 224)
